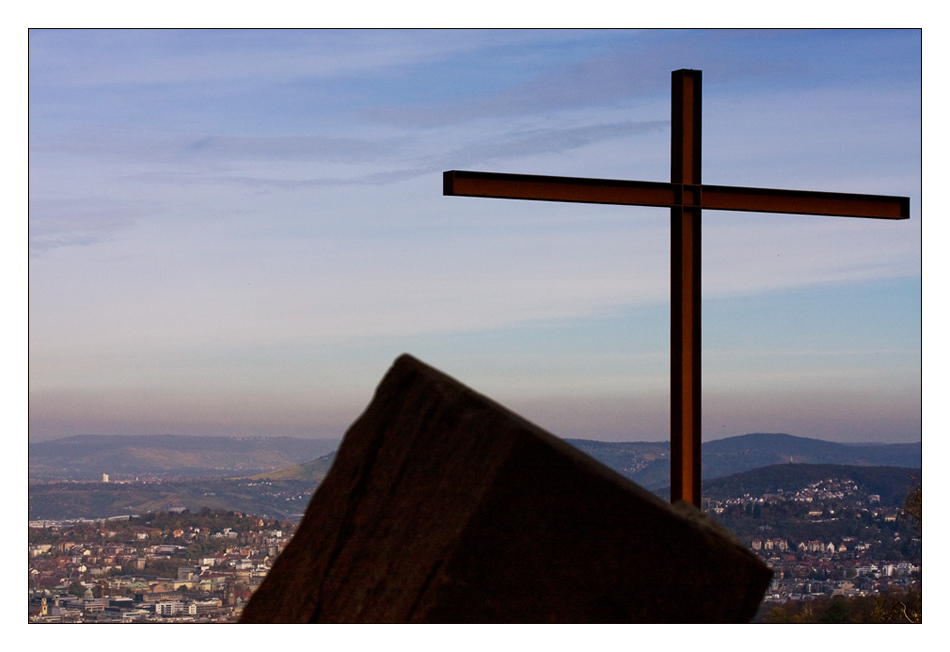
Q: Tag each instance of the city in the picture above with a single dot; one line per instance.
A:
(160, 567)
(833, 539)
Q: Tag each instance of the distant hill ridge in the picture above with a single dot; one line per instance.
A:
(647, 463)
(87, 457)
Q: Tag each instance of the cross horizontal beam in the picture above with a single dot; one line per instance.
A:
(648, 193)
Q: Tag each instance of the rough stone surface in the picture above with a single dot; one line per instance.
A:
(443, 506)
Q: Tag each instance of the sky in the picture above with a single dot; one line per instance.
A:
(237, 232)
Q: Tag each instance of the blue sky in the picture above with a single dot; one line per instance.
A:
(237, 232)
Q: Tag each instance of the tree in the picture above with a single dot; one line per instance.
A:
(891, 606)
(838, 612)
(913, 506)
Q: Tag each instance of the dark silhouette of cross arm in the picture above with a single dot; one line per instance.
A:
(686, 197)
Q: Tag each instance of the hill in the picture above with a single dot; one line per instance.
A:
(284, 499)
(733, 454)
(820, 502)
(277, 475)
(313, 471)
(891, 483)
(648, 464)
(87, 457)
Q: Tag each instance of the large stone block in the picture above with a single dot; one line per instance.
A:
(443, 506)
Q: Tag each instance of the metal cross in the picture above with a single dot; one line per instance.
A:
(686, 197)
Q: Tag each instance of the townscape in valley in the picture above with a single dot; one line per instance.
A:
(158, 567)
(832, 535)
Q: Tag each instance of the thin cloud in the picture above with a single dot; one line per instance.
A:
(289, 148)
(56, 224)
(232, 160)
(547, 141)
(593, 82)
(184, 57)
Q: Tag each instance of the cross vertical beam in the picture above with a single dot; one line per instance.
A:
(685, 288)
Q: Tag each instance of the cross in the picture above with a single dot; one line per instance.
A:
(686, 197)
